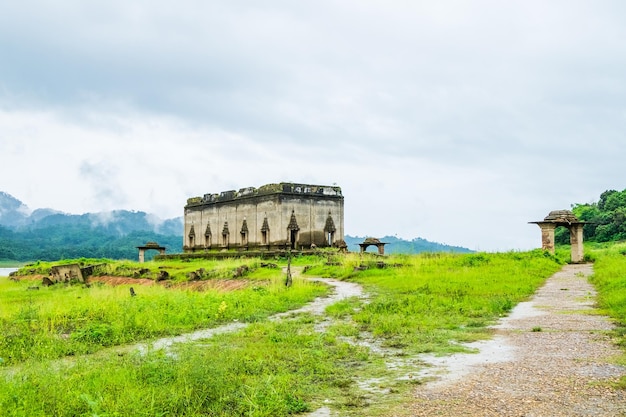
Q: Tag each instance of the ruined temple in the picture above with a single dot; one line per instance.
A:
(273, 216)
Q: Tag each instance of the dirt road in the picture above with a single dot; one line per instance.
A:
(550, 357)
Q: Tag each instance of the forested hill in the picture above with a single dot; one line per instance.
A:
(73, 241)
(607, 218)
(46, 234)
(397, 245)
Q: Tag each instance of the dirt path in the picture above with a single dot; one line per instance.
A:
(341, 290)
(550, 357)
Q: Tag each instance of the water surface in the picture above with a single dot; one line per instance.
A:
(4, 272)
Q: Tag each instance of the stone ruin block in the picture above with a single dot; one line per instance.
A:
(66, 273)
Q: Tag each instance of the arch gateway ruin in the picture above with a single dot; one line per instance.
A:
(273, 216)
(566, 219)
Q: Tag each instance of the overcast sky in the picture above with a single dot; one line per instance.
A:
(454, 121)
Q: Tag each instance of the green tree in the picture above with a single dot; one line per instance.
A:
(606, 219)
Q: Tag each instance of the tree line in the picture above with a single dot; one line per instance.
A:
(606, 219)
(78, 241)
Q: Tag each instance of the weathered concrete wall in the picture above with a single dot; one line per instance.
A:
(66, 273)
(267, 214)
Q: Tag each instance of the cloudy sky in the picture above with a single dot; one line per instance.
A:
(454, 121)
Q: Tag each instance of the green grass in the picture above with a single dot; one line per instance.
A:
(424, 303)
(178, 270)
(609, 278)
(267, 370)
(64, 320)
(417, 304)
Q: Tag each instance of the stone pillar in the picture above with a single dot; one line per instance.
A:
(576, 240)
(141, 255)
(381, 249)
(547, 236)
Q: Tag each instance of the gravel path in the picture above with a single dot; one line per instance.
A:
(564, 369)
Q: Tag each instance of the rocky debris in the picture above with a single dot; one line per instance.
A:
(341, 245)
(241, 271)
(193, 276)
(141, 272)
(162, 275)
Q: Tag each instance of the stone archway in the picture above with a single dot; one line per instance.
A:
(371, 241)
(567, 219)
(148, 246)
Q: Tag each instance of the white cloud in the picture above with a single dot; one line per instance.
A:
(453, 121)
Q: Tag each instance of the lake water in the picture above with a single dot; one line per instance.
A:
(4, 272)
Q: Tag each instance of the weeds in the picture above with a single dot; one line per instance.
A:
(421, 304)
(609, 279)
(70, 320)
(430, 300)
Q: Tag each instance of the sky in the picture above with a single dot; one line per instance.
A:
(454, 121)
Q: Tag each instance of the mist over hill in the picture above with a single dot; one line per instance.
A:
(16, 216)
(48, 234)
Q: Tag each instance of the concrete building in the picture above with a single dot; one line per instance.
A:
(274, 216)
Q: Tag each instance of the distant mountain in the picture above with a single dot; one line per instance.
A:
(16, 216)
(116, 222)
(397, 245)
(12, 211)
(47, 234)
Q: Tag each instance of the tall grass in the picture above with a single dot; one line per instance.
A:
(69, 320)
(417, 304)
(270, 369)
(178, 270)
(421, 303)
(609, 279)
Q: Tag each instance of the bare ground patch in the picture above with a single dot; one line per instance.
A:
(212, 284)
(204, 285)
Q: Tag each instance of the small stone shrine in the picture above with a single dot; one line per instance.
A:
(567, 219)
(148, 246)
(372, 241)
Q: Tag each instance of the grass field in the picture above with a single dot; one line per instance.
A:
(425, 303)
(609, 278)
(64, 320)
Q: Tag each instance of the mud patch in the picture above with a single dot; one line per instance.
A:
(445, 369)
(224, 285)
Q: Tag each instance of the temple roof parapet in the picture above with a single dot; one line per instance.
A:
(268, 189)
